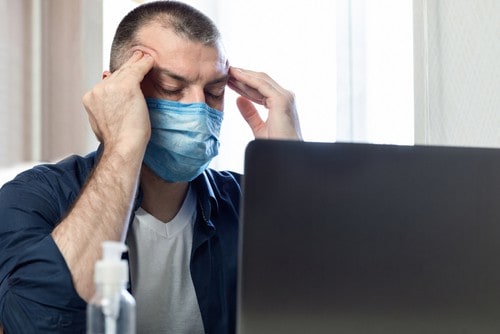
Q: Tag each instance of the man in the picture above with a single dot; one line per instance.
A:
(157, 115)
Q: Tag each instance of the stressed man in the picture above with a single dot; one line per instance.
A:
(157, 114)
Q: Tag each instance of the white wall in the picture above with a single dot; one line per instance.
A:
(457, 72)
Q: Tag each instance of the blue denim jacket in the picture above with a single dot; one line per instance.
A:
(36, 290)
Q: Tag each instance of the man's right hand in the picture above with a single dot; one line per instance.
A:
(120, 119)
(116, 107)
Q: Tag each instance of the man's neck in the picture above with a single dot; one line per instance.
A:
(161, 199)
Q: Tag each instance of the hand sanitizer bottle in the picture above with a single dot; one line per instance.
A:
(112, 309)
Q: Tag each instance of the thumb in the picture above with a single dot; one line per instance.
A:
(250, 114)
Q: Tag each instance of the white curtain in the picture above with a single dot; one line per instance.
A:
(14, 62)
(50, 54)
(457, 72)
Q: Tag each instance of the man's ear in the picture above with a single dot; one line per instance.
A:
(106, 74)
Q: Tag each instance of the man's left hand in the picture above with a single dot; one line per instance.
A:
(282, 121)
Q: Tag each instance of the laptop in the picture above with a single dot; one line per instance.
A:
(364, 238)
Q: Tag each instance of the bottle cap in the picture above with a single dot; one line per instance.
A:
(111, 269)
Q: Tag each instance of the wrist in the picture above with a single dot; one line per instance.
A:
(126, 150)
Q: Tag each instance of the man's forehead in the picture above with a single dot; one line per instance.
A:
(221, 62)
(155, 34)
(157, 49)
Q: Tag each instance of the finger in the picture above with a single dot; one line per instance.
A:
(134, 57)
(144, 65)
(246, 91)
(250, 114)
(260, 82)
(139, 63)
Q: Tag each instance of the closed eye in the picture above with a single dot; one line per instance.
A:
(168, 92)
(171, 92)
(215, 94)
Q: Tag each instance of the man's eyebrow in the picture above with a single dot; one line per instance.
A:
(222, 79)
(171, 74)
(165, 71)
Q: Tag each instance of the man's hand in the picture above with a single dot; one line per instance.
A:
(116, 106)
(282, 121)
(120, 119)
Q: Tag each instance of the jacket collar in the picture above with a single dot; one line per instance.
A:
(206, 194)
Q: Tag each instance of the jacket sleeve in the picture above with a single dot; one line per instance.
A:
(36, 289)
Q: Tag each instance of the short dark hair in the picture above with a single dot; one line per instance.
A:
(185, 21)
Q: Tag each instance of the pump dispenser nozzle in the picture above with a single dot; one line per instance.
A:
(112, 250)
(112, 308)
(111, 276)
(111, 269)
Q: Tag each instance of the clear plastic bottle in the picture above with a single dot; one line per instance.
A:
(112, 308)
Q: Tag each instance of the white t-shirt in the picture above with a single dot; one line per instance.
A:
(159, 255)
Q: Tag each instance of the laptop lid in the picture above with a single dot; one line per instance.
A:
(363, 238)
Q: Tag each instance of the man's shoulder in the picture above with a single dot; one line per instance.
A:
(58, 181)
(74, 168)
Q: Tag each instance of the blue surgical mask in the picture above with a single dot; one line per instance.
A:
(184, 138)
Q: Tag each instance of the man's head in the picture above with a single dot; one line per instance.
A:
(183, 19)
(190, 63)
(184, 89)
